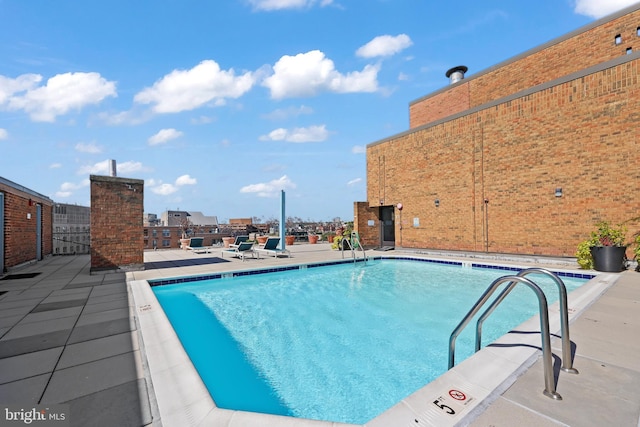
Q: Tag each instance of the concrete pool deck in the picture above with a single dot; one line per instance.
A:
(71, 338)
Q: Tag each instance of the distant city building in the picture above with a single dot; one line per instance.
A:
(71, 229)
(150, 220)
(177, 218)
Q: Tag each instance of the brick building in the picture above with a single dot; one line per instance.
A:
(25, 225)
(71, 229)
(117, 206)
(523, 157)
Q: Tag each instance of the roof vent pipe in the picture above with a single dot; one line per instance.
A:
(456, 74)
(112, 168)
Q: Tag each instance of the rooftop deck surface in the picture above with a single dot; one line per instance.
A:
(73, 338)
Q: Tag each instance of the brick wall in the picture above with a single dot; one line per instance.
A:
(580, 134)
(584, 48)
(117, 207)
(369, 234)
(20, 225)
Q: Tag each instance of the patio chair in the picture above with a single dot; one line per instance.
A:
(197, 245)
(239, 239)
(241, 251)
(271, 248)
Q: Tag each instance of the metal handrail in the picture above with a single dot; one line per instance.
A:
(351, 246)
(567, 360)
(550, 388)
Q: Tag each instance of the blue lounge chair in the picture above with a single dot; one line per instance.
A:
(271, 248)
(239, 239)
(197, 245)
(241, 251)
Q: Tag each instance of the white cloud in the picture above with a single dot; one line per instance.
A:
(359, 149)
(600, 8)
(354, 181)
(183, 90)
(102, 168)
(55, 165)
(164, 189)
(185, 180)
(68, 188)
(268, 5)
(298, 135)
(9, 86)
(384, 46)
(271, 188)
(285, 113)
(164, 136)
(61, 94)
(3, 134)
(308, 74)
(91, 148)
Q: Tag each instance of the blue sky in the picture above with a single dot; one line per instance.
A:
(218, 105)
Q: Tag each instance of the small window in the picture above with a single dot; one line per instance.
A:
(629, 51)
(618, 39)
(638, 31)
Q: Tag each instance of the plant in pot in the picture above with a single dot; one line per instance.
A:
(185, 225)
(604, 250)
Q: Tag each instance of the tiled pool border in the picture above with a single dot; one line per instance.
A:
(230, 274)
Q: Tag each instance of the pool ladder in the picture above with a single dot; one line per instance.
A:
(353, 242)
(512, 281)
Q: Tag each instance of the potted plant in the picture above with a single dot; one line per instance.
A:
(313, 238)
(288, 240)
(184, 233)
(604, 250)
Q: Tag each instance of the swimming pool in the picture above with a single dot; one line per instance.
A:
(344, 342)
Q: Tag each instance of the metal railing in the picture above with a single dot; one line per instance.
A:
(353, 242)
(550, 388)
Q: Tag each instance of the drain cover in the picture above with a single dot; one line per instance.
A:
(20, 276)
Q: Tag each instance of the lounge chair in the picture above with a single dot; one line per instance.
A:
(241, 251)
(239, 239)
(271, 248)
(197, 245)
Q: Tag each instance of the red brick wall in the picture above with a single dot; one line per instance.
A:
(581, 135)
(369, 235)
(587, 47)
(20, 226)
(117, 207)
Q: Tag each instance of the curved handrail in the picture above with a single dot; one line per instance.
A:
(567, 361)
(550, 388)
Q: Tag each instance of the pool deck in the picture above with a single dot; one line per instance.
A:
(81, 340)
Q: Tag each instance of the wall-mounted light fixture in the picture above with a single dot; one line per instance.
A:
(437, 202)
(558, 192)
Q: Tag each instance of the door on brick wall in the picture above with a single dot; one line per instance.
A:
(38, 232)
(387, 223)
(1, 233)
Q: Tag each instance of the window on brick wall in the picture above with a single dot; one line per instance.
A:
(629, 51)
(638, 31)
(166, 243)
(618, 39)
(166, 233)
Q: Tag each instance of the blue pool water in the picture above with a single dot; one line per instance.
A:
(338, 343)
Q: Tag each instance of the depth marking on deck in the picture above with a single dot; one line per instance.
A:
(453, 401)
(143, 308)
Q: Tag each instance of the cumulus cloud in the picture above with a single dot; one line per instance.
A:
(384, 46)
(600, 8)
(308, 74)
(3, 134)
(68, 188)
(61, 94)
(164, 189)
(184, 90)
(268, 5)
(164, 136)
(298, 135)
(91, 148)
(271, 188)
(102, 168)
(359, 149)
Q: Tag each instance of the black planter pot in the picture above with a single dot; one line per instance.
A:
(609, 258)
